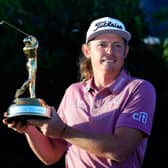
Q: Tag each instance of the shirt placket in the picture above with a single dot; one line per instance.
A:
(98, 102)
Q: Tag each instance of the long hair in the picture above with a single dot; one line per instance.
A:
(85, 68)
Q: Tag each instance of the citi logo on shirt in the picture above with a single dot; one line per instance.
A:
(140, 116)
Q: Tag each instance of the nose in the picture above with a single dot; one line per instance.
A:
(109, 49)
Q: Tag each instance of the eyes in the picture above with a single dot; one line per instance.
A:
(114, 45)
(100, 44)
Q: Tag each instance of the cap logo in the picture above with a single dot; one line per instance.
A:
(107, 24)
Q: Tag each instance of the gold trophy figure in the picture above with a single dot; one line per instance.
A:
(30, 51)
(29, 107)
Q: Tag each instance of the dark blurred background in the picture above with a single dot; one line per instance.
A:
(60, 28)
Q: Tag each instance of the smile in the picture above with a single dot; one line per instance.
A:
(108, 61)
(111, 61)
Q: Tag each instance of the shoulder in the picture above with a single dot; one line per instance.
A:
(142, 88)
(138, 83)
(76, 87)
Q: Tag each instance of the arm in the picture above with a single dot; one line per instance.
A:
(116, 147)
(46, 149)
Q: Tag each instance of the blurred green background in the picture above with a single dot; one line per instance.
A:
(60, 28)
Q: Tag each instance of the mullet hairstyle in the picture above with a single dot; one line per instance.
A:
(85, 68)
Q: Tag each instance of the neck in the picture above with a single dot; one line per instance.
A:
(104, 80)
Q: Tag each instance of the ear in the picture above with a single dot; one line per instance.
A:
(85, 50)
(126, 52)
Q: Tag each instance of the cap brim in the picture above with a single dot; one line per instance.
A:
(124, 34)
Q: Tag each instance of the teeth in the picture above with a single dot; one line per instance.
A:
(110, 61)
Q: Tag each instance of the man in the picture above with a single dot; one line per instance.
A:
(103, 121)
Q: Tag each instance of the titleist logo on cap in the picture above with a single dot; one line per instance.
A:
(107, 24)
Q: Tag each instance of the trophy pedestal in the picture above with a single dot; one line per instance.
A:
(27, 108)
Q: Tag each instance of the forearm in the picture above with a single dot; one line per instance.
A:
(92, 143)
(47, 151)
(117, 146)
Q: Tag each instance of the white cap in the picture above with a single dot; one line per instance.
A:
(105, 25)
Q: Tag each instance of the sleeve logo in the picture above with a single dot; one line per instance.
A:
(140, 116)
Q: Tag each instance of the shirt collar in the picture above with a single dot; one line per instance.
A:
(89, 85)
(116, 85)
(120, 82)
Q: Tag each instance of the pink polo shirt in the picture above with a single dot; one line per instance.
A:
(128, 102)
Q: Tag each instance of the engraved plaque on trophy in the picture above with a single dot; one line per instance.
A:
(24, 108)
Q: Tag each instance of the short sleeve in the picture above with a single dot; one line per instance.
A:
(139, 111)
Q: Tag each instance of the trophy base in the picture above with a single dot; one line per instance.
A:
(27, 108)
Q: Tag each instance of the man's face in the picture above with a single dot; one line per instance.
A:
(107, 53)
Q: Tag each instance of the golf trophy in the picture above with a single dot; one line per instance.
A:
(23, 108)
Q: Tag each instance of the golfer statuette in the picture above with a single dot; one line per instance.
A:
(24, 108)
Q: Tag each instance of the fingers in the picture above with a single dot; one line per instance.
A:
(37, 122)
(5, 114)
(12, 124)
